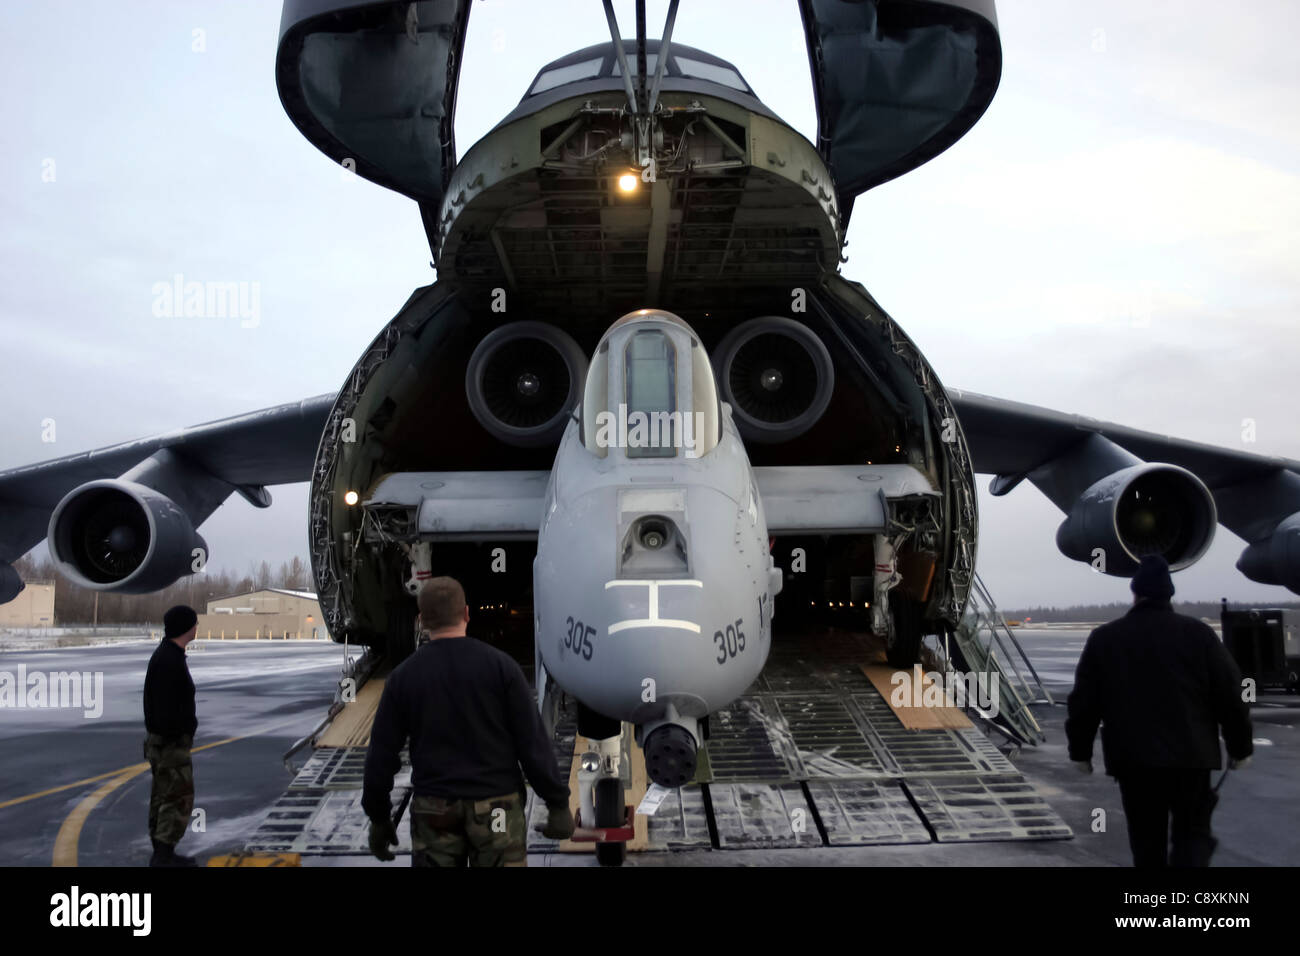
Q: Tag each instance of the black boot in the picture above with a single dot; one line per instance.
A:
(164, 854)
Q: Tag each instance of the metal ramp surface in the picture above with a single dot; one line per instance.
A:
(320, 813)
(814, 736)
(812, 755)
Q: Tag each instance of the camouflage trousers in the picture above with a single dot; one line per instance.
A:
(487, 832)
(172, 796)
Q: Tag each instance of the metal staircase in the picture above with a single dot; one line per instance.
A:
(986, 647)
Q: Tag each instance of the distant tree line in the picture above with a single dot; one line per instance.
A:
(1108, 612)
(74, 604)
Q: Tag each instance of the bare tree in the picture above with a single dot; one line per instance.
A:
(297, 578)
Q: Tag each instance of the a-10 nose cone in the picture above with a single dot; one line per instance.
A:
(670, 753)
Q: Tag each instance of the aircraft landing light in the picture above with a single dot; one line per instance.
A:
(351, 498)
(628, 182)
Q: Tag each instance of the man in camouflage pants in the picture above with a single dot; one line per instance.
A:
(170, 722)
(467, 710)
(452, 832)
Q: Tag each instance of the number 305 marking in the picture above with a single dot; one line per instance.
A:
(731, 641)
(579, 637)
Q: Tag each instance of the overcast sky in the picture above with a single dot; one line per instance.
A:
(1117, 237)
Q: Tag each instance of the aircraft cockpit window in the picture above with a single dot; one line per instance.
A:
(550, 79)
(651, 385)
(651, 64)
(658, 407)
(713, 72)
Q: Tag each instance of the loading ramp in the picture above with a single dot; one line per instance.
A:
(812, 755)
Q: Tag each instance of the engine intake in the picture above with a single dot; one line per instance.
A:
(117, 535)
(1143, 509)
(523, 380)
(777, 376)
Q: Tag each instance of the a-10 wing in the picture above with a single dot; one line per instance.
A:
(1257, 497)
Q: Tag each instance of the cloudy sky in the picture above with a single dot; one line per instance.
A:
(1116, 237)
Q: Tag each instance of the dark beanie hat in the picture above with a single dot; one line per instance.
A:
(1152, 579)
(178, 620)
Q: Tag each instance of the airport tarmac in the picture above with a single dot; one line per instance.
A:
(254, 699)
(75, 789)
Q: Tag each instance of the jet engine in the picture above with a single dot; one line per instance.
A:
(1142, 509)
(523, 380)
(1275, 559)
(777, 376)
(117, 535)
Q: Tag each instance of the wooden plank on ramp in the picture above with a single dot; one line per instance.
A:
(912, 710)
(351, 728)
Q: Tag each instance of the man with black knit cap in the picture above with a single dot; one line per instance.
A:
(1161, 685)
(170, 722)
(472, 726)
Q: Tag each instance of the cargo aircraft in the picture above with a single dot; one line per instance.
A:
(641, 413)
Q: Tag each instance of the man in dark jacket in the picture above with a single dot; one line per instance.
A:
(1161, 685)
(470, 718)
(170, 722)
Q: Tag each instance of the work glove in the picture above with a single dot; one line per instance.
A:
(1241, 764)
(559, 822)
(382, 835)
(1083, 766)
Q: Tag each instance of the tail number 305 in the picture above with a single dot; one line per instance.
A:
(730, 641)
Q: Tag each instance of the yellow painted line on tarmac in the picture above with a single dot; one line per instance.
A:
(67, 786)
(65, 844)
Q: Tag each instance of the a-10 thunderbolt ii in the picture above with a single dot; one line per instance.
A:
(754, 437)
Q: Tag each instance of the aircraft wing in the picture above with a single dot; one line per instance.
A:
(240, 454)
(1255, 496)
(504, 505)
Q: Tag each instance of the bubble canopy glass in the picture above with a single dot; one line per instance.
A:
(650, 391)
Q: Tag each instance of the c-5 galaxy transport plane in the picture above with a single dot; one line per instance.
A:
(755, 437)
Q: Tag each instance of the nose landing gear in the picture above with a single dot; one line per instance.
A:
(603, 815)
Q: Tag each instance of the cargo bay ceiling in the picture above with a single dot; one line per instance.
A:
(895, 82)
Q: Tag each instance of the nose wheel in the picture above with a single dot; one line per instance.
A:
(603, 815)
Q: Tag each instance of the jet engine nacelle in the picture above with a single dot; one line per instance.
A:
(1143, 509)
(523, 381)
(1275, 559)
(777, 376)
(11, 585)
(117, 535)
